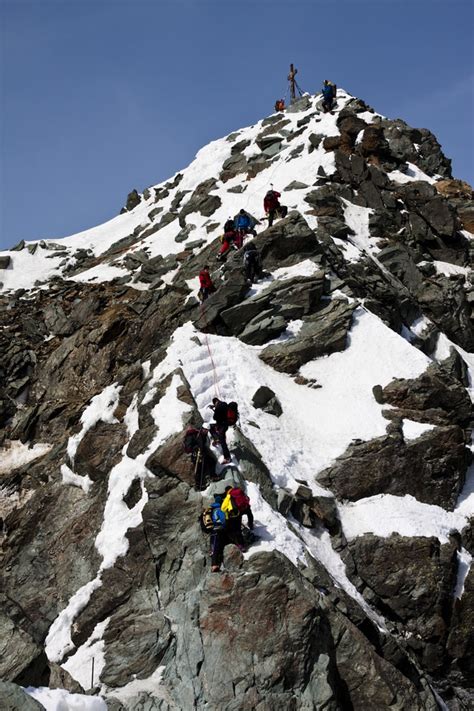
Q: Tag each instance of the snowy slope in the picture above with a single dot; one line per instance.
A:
(26, 268)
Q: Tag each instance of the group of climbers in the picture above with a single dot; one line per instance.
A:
(223, 518)
(235, 230)
(223, 521)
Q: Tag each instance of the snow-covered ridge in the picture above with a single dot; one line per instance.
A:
(50, 258)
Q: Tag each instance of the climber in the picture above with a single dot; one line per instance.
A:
(207, 287)
(230, 237)
(225, 415)
(271, 205)
(196, 444)
(245, 224)
(229, 225)
(329, 95)
(280, 105)
(230, 532)
(252, 262)
(225, 525)
(237, 503)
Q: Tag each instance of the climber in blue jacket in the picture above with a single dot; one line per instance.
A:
(244, 223)
(329, 94)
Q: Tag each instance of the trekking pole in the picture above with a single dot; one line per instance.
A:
(201, 477)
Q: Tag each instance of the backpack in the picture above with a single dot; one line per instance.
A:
(212, 518)
(220, 412)
(205, 520)
(240, 499)
(191, 440)
(270, 201)
(232, 414)
(229, 507)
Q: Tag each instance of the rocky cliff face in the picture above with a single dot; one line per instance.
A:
(352, 365)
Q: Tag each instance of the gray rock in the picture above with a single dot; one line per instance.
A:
(230, 293)
(19, 653)
(265, 399)
(5, 261)
(301, 104)
(19, 246)
(263, 328)
(322, 333)
(417, 591)
(386, 465)
(133, 199)
(292, 298)
(287, 242)
(13, 698)
(296, 185)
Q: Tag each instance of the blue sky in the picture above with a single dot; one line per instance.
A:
(99, 97)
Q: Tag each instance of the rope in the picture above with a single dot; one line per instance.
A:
(214, 370)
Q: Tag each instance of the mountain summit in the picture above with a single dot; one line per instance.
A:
(351, 360)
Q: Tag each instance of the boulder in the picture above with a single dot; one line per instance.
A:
(324, 202)
(291, 298)
(323, 333)
(5, 261)
(133, 199)
(201, 201)
(265, 399)
(431, 468)
(433, 391)
(232, 292)
(301, 104)
(263, 328)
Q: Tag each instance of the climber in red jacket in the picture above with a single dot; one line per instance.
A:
(207, 287)
(272, 207)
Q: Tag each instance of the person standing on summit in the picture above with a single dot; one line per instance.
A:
(271, 205)
(329, 95)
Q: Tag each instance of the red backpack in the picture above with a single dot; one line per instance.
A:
(240, 499)
(270, 201)
(232, 414)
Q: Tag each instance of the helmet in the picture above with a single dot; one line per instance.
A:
(242, 212)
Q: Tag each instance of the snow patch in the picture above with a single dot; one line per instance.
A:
(62, 700)
(386, 514)
(79, 665)
(272, 530)
(151, 685)
(101, 408)
(16, 454)
(59, 642)
(69, 477)
(464, 566)
(411, 173)
(413, 430)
